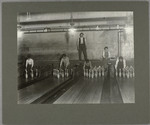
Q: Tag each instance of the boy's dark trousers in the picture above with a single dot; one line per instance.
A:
(82, 48)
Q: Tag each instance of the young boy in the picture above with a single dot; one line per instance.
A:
(29, 64)
(120, 64)
(81, 46)
(106, 57)
(64, 62)
(87, 64)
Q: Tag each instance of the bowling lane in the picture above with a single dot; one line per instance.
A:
(111, 92)
(23, 82)
(85, 90)
(33, 92)
(126, 86)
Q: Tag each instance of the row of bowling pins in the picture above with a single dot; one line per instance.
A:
(99, 68)
(93, 73)
(125, 73)
(31, 74)
(60, 73)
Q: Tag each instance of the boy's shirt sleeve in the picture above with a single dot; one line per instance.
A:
(61, 62)
(32, 63)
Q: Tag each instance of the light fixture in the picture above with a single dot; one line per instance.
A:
(97, 28)
(45, 30)
(118, 26)
(128, 29)
(72, 30)
(19, 33)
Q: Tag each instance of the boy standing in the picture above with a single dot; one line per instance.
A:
(81, 46)
(106, 57)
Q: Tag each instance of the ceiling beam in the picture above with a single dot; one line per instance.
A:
(66, 27)
(76, 31)
(74, 20)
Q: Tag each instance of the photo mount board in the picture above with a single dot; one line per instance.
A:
(134, 113)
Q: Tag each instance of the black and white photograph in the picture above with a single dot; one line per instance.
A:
(75, 57)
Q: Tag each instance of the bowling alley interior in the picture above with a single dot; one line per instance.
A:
(82, 57)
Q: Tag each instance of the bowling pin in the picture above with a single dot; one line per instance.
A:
(53, 72)
(123, 73)
(116, 72)
(133, 73)
(131, 68)
(99, 73)
(103, 72)
(62, 74)
(127, 74)
(96, 74)
(130, 74)
(67, 73)
(87, 74)
(39, 73)
(95, 68)
(26, 75)
(84, 72)
(71, 71)
(100, 67)
(119, 72)
(127, 68)
(58, 75)
(36, 72)
(92, 76)
(32, 73)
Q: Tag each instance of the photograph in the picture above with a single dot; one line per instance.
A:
(78, 57)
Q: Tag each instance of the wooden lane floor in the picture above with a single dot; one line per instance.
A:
(99, 90)
(86, 90)
(127, 89)
(111, 91)
(34, 91)
(23, 82)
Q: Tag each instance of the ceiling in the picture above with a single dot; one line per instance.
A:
(31, 22)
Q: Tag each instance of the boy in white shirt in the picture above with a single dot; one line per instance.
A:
(120, 64)
(29, 64)
(64, 62)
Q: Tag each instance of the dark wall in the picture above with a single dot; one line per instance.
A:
(50, 46)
